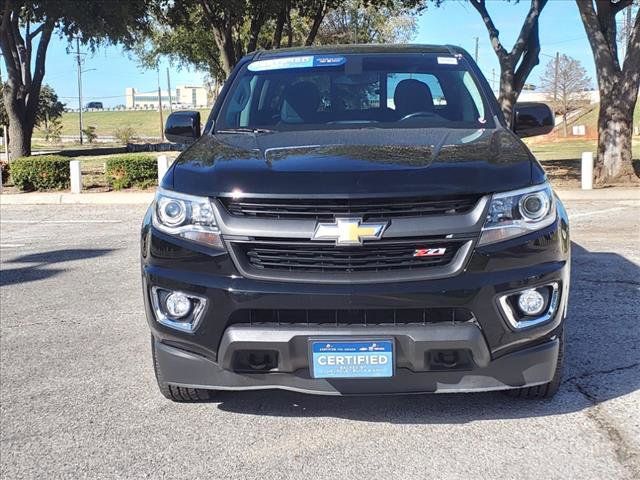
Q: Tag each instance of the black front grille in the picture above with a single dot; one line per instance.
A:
(309, 256)
(367, 209)
(362, 317)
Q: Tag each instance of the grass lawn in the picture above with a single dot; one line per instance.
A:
(146, 123)
(590, 119)
(562, 149)
(561, 159)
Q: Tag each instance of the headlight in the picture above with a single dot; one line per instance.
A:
(518, 212)
(186, 216)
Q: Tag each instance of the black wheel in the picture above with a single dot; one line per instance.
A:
(173, 392)
(546, 390)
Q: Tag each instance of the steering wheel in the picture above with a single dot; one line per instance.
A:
(417, 114)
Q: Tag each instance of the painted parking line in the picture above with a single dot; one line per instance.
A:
(29, 222)
(596, 212)
(11, 245)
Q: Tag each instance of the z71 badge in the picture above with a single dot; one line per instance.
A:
(429, 252)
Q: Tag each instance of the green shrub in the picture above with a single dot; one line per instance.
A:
(132, 170)
(53, 130)
(90, 133)
(41, 172)
(125, 134)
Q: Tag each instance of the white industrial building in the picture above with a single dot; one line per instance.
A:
(184, 96)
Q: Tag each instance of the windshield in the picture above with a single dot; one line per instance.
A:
(314, 92)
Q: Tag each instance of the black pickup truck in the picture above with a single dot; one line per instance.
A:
(356, 220)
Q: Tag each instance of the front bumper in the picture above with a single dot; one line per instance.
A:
(531, 366)
(502, 357)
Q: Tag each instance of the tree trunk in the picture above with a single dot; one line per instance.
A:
(227, 51)
(255, 27)
(516, 65)
(615, 127)
(315, 26)
(22, 89)
(277, 34)
(618, 89)
(289, 30)
(20, 126)
(19, 138)
(564, 124)
(508, 95)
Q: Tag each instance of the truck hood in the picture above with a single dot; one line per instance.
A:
(356, 162)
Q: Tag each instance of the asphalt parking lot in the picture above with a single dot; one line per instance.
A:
(78, 397)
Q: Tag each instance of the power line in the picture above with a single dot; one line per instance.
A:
(567, 40)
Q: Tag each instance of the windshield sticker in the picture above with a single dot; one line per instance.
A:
(307, 61)
(323, 61)
(447, 60)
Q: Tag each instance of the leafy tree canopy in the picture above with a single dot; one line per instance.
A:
(213, 35)
(26, 27)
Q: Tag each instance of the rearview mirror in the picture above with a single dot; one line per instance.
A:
(531, 119)
(183, 127)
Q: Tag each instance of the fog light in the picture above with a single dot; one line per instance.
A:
(178, 305)
(531, 302)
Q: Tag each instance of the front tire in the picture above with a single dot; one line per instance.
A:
(546, 390)
(174, 392)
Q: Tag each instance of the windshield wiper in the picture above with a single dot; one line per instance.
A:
(245, 130)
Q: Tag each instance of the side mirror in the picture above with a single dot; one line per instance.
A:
(531, 119)
(183, 127)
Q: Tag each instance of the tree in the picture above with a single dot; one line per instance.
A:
(565, 82)
(517, 64)
(26, 27)
(355, 22)
(53, 130)
(618, 86)
(214, 35)
(48, 109)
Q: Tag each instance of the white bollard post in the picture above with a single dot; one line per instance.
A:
(163, 166)
(587, 170)
(76, 176)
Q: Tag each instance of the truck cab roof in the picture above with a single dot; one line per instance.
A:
(356, 49)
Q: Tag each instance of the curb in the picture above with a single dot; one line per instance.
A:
(107, 198)
(145, 198)
(600, 194)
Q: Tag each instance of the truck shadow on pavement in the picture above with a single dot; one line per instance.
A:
(40, 264)
(602, 362)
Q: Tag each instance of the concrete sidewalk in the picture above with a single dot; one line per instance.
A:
(137, 198)
(58, 198)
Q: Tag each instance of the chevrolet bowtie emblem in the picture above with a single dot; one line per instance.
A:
(349, 231)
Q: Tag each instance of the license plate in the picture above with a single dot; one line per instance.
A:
(352, 359)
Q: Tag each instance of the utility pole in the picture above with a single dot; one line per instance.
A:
(476, 57)
(169, 91)
(79, 85)
(160, 107)
(555, 78)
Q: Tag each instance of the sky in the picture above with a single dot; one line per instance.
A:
(110, 70)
